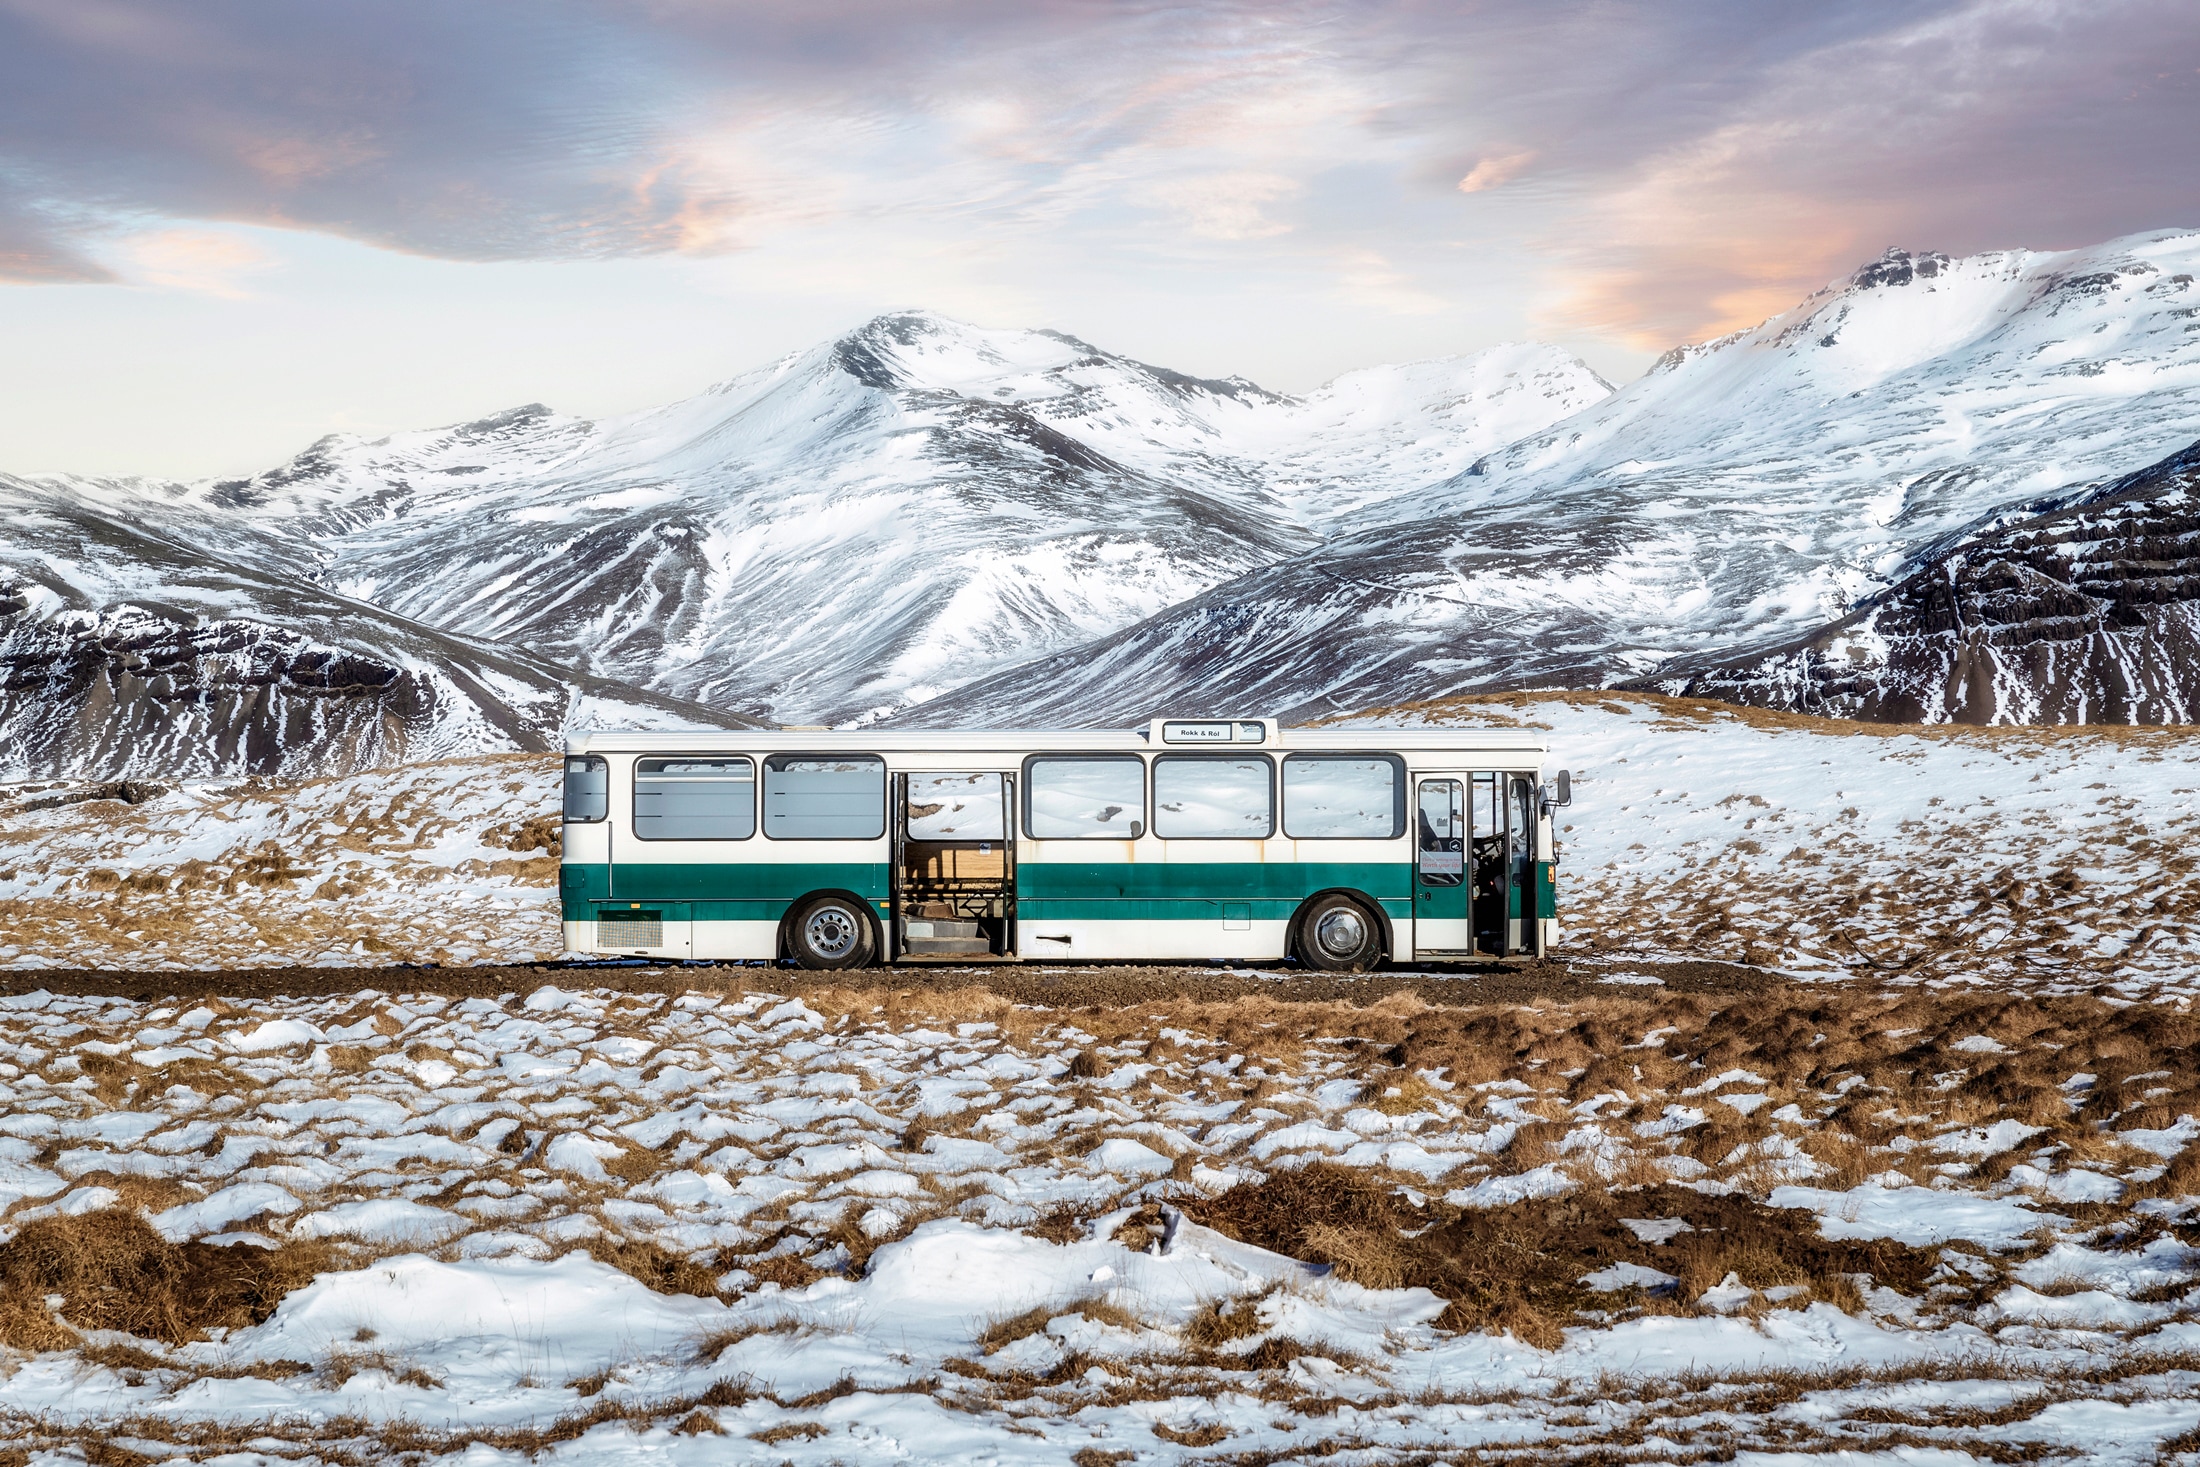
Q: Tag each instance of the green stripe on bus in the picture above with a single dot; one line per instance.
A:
(762, 890)
(1100, 891)
(1290, 881)
(1174, 909)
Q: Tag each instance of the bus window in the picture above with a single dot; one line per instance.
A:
(587, 789)
(824, 797)
(1522, 833)
(694, 799)
(1213, 797)
(1442, 859)
(955, 807)
(1085, 796)
(1489, 821)
(1342, 797)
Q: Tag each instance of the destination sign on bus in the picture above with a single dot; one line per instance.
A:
(1214, 731)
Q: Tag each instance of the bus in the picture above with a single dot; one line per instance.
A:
(1191, 840)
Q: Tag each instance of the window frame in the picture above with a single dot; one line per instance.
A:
(1028, 787)
(1400, 796)
(565, 804)
(763, 803)
(909, 798)
(1462, 817)
(1153, 792)
(756, 797)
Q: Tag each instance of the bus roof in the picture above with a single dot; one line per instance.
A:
(878, 741)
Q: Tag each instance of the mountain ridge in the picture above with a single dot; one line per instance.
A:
(924, 522)
(1748, 489)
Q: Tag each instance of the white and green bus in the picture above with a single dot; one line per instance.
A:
(1194, 840)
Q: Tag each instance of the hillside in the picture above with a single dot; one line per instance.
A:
(2084, 613)
(1744, 490)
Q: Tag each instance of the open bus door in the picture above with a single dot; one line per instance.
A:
(954, 865)
(1503, 866)
(1440, 928)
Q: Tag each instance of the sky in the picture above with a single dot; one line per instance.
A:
(229, 227)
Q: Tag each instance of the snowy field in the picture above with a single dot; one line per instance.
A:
(868, 1226)
(1922, 1190)
(2042, 859)
(2036, 859)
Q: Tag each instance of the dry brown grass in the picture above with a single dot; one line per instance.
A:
(1519, 1267)
(114, 1272)
(342, 1366)
(786, 1270)
(1221, 1322)
(999, 1333)
(654, 1265)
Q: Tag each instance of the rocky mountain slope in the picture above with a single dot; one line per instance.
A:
(941, 524)
(2087, 613)
(833, 537)
(1745, 490)
(894, 513)
(141, 636)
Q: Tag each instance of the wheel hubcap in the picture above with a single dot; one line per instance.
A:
(830, 933)
(1340, 932)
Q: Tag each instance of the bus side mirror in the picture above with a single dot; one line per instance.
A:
(1565, 783)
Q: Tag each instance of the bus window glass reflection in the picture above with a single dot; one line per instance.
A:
(1085, 797)
(694, 799)
(1341, 797)
(1213, 797)
(824, 798)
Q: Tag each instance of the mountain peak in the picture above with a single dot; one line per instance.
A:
(1898, 267)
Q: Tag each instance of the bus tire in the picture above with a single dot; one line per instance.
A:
(830, 932)
(1337, 934)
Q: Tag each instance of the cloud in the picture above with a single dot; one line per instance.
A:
(194, 260)
(1227, 206)
(1672, 165)
(2001, 123)
(1495, 172)
(485, 131)
(1370, 279)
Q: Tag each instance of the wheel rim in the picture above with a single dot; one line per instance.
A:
(830, 932)
(1340, 932)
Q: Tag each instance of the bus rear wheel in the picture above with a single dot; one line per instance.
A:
(1338, 935)
(830, 932)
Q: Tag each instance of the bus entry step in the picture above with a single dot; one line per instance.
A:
(941, 937)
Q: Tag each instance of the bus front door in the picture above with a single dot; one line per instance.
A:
(1501, 867)
(1440, 926)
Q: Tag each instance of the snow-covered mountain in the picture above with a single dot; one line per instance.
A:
(892, 514)
(141, 634)
(1744, 490)
(2088, 612)
(931, 522)
(832, 537)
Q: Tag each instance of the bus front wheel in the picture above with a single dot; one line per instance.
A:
(830, 932)
(1338, 935)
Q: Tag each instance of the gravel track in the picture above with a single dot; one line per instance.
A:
(1049, 986)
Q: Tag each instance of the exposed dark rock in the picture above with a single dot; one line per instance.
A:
(2089, 613)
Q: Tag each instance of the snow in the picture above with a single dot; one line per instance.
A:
(276, 1034)
(1744, 491)
(245, 1202)
(1918, 1216)
(464, 1301)
(1820, 848)
(383, 1220)
(982, 496)
(1629, 1276)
